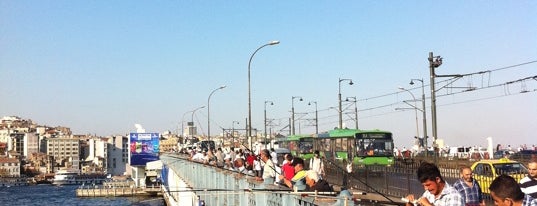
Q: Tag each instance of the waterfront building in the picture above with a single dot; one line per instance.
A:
(94, 153)
(65, 151)
(9, 167)
(118, 155)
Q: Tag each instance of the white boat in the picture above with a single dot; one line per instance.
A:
(73, 177)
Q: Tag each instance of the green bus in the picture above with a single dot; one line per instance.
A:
(299, 145)
(364, 147)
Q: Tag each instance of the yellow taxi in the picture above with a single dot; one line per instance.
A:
(486, 170)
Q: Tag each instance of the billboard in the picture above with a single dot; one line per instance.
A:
(144, 147)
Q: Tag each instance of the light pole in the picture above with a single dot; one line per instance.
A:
(265, 122)
(208, 111)
(423, 109)
(293, 113)
(183, 120)
(339, 98)
(316, 117)
(233, 133)
(355, 101)
(415, 109)
(249, 127)
(193, 112)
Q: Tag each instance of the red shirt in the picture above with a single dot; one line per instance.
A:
(250, 159)
(288, 171)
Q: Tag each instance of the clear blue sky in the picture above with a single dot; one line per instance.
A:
(99, 67)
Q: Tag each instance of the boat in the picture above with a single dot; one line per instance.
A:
(73, 177)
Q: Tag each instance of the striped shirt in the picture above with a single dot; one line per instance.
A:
(448, 197)
(529, 186)
(472, 195)
(529, 201)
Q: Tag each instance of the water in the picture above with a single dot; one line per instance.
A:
(65, 195)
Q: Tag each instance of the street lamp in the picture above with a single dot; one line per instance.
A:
(265, 122)
(249, 128)
(183, 120)
(293, 112)
(415, 109)
(339, 98)
(353, 99)
(208, 111)
(233, 133)
(316, 117)
(193, 112)
(423, 109)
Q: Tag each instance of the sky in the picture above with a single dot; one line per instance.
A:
(100, 67)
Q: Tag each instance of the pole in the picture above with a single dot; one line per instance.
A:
(265, 120)
(233, 133)
(339, 101)
(293, 113)
(424, 118)
(433, 105)
(424, 113)
(209, 113)
(316, 117)
(249, 126)
(193, 112)
(356, 112)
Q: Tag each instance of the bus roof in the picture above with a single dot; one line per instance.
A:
(297, 137)
(348, 133)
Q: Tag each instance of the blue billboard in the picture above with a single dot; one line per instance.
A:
(144, 147)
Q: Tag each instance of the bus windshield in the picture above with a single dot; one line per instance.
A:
(305, 145)
(374, 147)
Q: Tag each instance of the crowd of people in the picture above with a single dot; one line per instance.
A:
(292, 172)
(265, 167)
(504, 189)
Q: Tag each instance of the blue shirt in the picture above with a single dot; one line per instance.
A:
(472, 195)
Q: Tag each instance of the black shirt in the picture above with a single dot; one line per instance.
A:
(320, 186)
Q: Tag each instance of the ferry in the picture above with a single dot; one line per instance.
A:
(73, 177)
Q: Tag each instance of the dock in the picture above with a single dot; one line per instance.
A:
(118, 192)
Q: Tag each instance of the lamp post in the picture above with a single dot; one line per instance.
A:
(233, 133)
(293, 113)
(265, 122)
(183, 120)
(423, 109)
(249, 127)
(193, 112)
(208, 111)
(353, 99)
(339, 100)
(316, 117)
(415, 109)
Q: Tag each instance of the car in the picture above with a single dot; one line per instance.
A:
(486, 170)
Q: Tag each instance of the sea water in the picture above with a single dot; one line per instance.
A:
(65, 195)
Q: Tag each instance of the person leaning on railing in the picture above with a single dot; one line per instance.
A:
(298, 181)
(315, 183)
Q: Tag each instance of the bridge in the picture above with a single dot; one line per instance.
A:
(190, 183)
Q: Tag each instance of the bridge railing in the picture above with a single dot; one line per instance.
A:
(185, 181)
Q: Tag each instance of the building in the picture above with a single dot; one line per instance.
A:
(94, 152)
(9, 167)
(65, 151)
(118, 155)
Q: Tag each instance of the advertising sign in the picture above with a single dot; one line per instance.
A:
(144, 147)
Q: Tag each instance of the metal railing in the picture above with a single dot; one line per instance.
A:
(192, 182)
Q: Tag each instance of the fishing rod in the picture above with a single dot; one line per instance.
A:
(367, 185)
